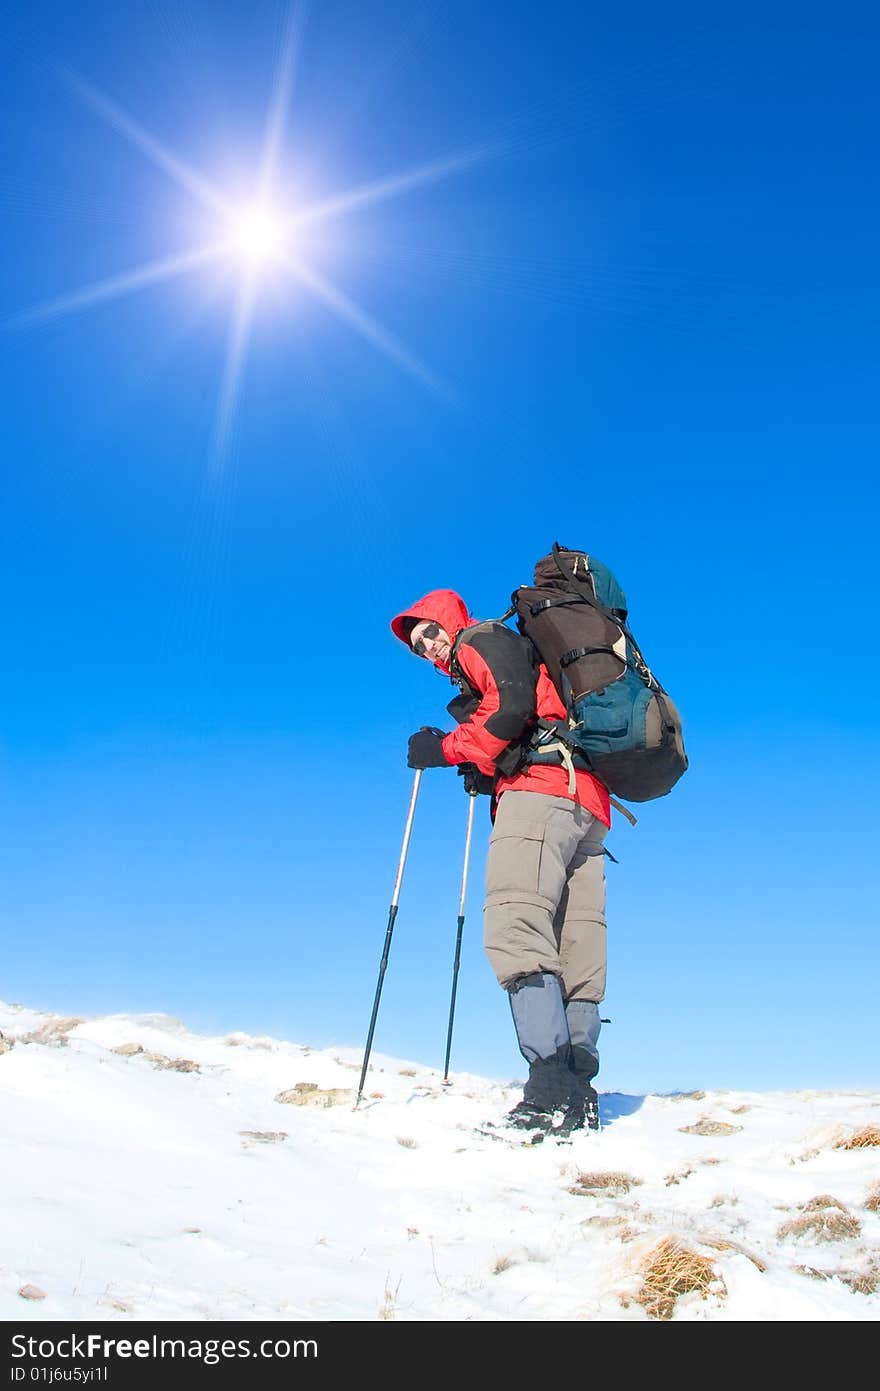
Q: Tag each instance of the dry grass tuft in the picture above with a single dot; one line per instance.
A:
(407, 1142)
(611, 1185)
(723, 1244)
(388, 1307)
(709, 1127)
(406, 1072)
(740, 1110)
(605, 1220)
(860, 1139)
(628, 1233)
(872, 1202)
(672, 1270)
(502, 1263)
(804, 1157)
(672, 1179)
(859, 1281)
(823, 1219)
(862, 1281)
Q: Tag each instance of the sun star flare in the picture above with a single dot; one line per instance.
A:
(255, 235)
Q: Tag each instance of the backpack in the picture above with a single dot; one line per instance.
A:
(622, 725)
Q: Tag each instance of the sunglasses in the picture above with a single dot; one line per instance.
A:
(428, 634)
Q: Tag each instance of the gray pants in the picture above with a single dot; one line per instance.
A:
(545, 894)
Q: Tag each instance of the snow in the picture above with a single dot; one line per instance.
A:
(130, 1192)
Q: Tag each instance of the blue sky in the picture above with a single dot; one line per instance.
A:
(639, 316)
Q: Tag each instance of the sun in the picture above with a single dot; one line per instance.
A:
(258, 234)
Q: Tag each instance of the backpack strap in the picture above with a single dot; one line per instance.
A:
(577, 652)
(454, 667)
(624, 811)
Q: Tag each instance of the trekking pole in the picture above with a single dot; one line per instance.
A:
(472, 798)
(392, 914)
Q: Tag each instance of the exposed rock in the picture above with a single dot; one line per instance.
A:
(6, 1044)
(128, 1050)
(610, 1184)
(709, 1127)
(166, 1064)
(31, 1292)
(309, 1094)
(245, 1041)
(54, 1032)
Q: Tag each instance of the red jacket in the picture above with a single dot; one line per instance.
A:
(504, 706)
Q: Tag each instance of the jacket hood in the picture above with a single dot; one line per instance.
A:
(441, 606)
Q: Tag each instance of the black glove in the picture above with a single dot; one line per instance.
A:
(425, 750)
(476, 782)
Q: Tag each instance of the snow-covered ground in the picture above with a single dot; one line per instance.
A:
(135, 1187)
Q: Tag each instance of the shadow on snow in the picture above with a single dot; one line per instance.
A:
(613, 1106)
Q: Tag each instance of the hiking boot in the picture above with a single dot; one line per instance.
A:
(582, 1113)
(527, 1116)
(546, 1094)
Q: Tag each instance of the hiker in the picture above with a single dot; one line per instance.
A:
(545, 877)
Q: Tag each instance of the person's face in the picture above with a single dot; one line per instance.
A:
(428, 639)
